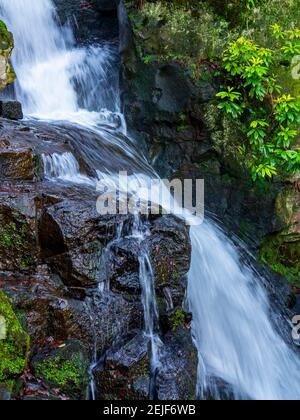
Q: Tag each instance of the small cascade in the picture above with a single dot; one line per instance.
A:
(64, 167)
(57, 80)
(151, 316)
(238, 343)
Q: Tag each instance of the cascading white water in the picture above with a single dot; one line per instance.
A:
(232, 327)
(236, 340)
(65, 168)
(51, 70)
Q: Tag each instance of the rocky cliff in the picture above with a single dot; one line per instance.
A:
(174, 114)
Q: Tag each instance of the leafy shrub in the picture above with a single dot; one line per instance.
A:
(251, 93)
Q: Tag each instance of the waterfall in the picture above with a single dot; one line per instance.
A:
(56, 80)
(65, 167)
(237, 341)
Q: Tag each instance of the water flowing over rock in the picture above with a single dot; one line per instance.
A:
(123, 306)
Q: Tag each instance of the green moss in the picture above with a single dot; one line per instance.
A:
(14, 348)
(68, 374)
(10, 237)
(178, 318)
(282, 254)
(16, 240)
(6, 39)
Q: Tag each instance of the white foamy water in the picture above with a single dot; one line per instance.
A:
(65, 167)
(236, 339)
(56, 80)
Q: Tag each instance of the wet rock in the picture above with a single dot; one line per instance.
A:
(281, 250)
(177, 378)
(82, 283)
(170, 252)
(123, 265)
(65, 368)
(175, 90)
(129, 283)
(72, 236)
(17, 240)
(6, 392)
(17, 164)
(11, 110)
(125, 374)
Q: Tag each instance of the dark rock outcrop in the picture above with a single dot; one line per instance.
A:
(73, 282)
(94, 21)
(11, 110)
(173, 116)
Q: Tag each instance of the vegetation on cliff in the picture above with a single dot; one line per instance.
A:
(7, 74)
(249, 51)
(240, 46)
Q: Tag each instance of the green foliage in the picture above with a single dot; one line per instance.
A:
(14, 348)
(271, 117)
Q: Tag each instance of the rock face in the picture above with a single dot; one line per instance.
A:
(183, 131)
(281, 250)
(93, 21)
(74, 283)
(7, 74)
(167, 111)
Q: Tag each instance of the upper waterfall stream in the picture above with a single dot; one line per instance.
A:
(233, 329)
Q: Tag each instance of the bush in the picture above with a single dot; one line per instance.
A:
(251, 93)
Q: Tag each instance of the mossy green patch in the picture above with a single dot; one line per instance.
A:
(6, 39)
(178, 318)
(70, 375)
(6, 47)
(14, 342)
(17, 241)
(282, 254)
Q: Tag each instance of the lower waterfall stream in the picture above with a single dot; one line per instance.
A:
(237, 341)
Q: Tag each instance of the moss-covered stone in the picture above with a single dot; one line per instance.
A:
(178, 318)
(65, 368)
(281, 251)
(282, 254)
(17, 241)
(7, 74)
(14, 343)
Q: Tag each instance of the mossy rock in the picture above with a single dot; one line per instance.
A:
(7, 74)
(14, 343)
(282, 253)
(65, 368)
(17, 240)
(6, 38)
